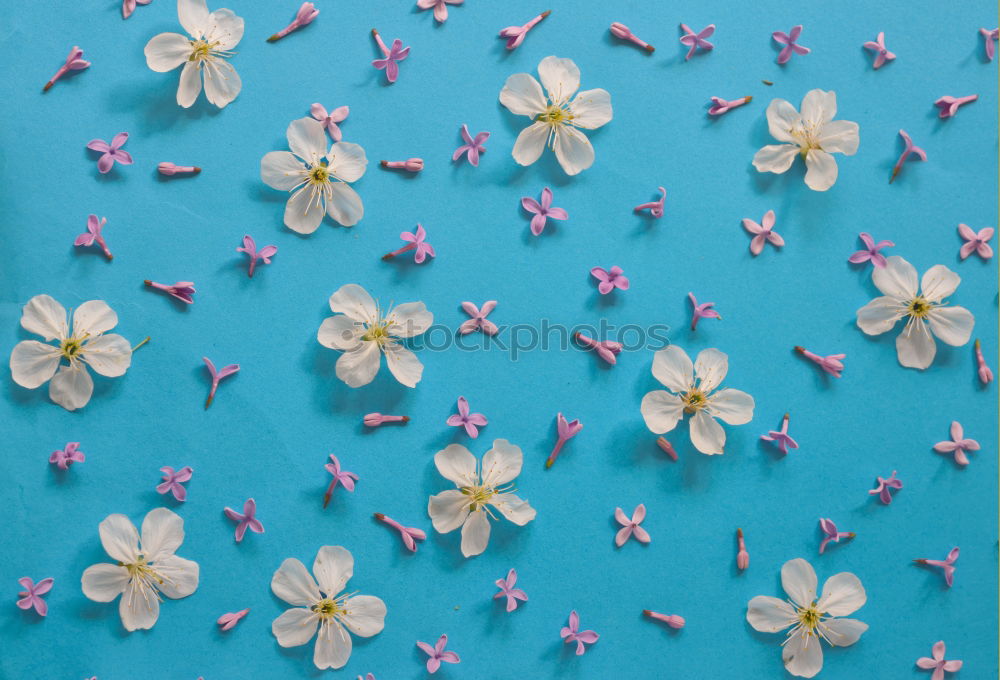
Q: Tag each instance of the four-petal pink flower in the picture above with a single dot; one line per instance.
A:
(949, 105)
(507, 589)
(882, 54)
(245, 520)
(958, 444)
(74, 62)
(392, 57)
(93, 235)
(437, 654)
(976, 242)
(871, 252)
(416, 242)
(609, 279)
(572, 633)
(228, 621)
(938, 663)
(763, 232)
(885, 486)
(330, 119)
(469, 421)
(31, 596)
(473, 146)
(440, 7)
(478, 322)
(67, 456)
(655, 208)
(342, 477)
(697, 41)
(173, 481)
(831, 534)
(781, 438)
(630, 525)
(250, 248)
(111, 153)
(947, 565)
(790, 45)
(831, 363)
(542, 211)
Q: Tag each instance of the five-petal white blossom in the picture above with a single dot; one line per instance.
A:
(213, 36)
(481, 487)
(694, 391)
(317, 176)
(812, 134)
(321, 603)
(145, 569)
(810, 620)
(557, 118)
(361, 331)
(32, 363)
(924, 309)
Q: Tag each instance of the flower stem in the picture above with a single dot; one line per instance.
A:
(555, 453)
(141, 343)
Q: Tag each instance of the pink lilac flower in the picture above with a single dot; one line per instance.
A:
(410, 164)
(938, 663)
(467, 420)
(515, 34)
(790, 45)
(606, 349)
(885, 486)
(721, 106)
(655, 208)
(415, 241)
(173, 481)
(229, 621)
(975, 242)
(409, 534)
(958, 444)
(473, 146)
(947, 565)
(701, 311)
(762, 233)
(542, 211)
(245, 520)
(697, 41)
(342, 477)
(507, 589)
(377, 419)
(871, 252)
(781, 438)
(303, 17)
(478, 322)
(182, 290)
(572, 633)
(909, 148)
(831, 363)
(609, 279)
(622, 32)
(111, 153)
(31, 596)
(882, 54)
(67, 456)
(630, 525)
(250, 248)
(440, 7)
(565, 430)
(437, 654)
(949, 105)
(128, 6)
(330, 120)
(393, 55)
(74, 62)
(742, 556)
(672, 620)
(217, 376)
(989, 37)
(667, 447)
(831, 534)
(170, 169)
(985, 374)
(93, 235)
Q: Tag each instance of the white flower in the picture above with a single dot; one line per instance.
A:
(32, 363)
(325, 606)
(144, 569)
(924, 308)
(362, 333)
(317, 177)
(213, 36)
(813, 134)
(556, 117)
(480, 488)
(695, 393)
(808, 619)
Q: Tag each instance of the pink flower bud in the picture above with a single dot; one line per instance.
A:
(985, 374)
(307, 12)
(667, 447)
(742, 556)
(168, 168)
(671, 620)
(410, 164)
(622, 31)
(376, 419)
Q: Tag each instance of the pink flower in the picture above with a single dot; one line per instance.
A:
(330, 120)
(409, 534)
(342, 477)
(376, 419)
(949, 105)
(882, 54)
(938, 663)
(437, 654)
(609, 279)
(975, 242)
(31, 596)
(564, 431)
(781, 438)
(958, 444)
(393, 55)
(667, 448)
(467, 420)
(182, 290)
(250, 248)
(831, 534)
(74, 62)
(170, 169)
(606, 349)
(572, 633)
(742, 556)
(947, 565)
(128, 6)
(410, 164)
(217, 377)
(871, 252)
(909, 148)
(111, 153)
(789, 41)
(721, 106)
(985, 374)
(831, 363)
(172, 481)
(66, 457)
(697, 41)
(472, 147)
(307, 12)
(763, 232)
(246, 520)
(655, 208)
(630, 526)
(440, 7)
(672, 620)
(989, 37)
(622, 32)
(701, 311)
(415, 241)
(507, 589)
(478, 322)
(885, 486)
(542, 211)
(229, 621)
(515, 34)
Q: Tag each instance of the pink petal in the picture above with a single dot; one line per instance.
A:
(98, 145)
(105, 163)
(623, 535)
(956, 430)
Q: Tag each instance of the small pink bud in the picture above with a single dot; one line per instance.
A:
(985, 374)
(410, 164)
(376, 419)
(307, 12)
(74, 62)
(667, 447)
(672, 620)
(622, 31)
(168, 168)
(742, 556)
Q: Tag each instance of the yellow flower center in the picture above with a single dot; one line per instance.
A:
(480, 495)
(319, 174)
(327, 608)
(555, 114)
(378, 332)
(918, 307)
(140, 570)
(201, 50)
(71, 348)
(694, 400)
(809, 618)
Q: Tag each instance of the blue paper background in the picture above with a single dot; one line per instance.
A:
(272, 426)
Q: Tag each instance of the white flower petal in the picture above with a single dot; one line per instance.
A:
(224, 28)
(189, 86)
(93, 317)
(776, 158)
(71, 386)
(358, 366)
(706, 434)
(110, 355)
(43, 316)
(843, 594)
(355, 302)
(409, 319)
(364, 615)
(222, 82)
(661, 411)
(939, 282)
(819, 107)
(333, 646)
(457, 464)
(802, 655)
(673, 368)
(732, 406)
(560, 78)
(821, 170)
(573, 150)
(475, 533)
(295, 627)
(304, 210)
(502, 463)
(799, 581)
(591, 108)
(448, 510)
(307, 139)
(139, 607)
(710, 369)
(770, 614)
(840, 136)
(897, 279)
(193, 15)
(951, 325)
(104, 582)
(340, 332)
(403, 364)
(530, 143)
(119, 538)
(344, 204)
(514, 508)
(522, 95)
(162, 534)
(880, 315)
(282, 170)
(915, 346)
(347, 161)
(32, 363)
(293, 584)
(167, 51)
(781, 119)
(180, 576)
(333, 568)
(842, 632)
